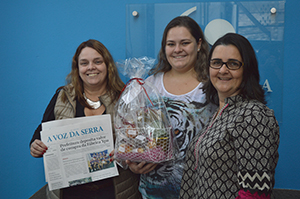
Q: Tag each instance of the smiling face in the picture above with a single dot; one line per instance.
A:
(92, 68)
(226, 82)
(181, 49)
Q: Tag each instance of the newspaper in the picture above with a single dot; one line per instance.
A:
(78, 151)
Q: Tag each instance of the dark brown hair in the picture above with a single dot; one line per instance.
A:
(250, 87)
(195, 30)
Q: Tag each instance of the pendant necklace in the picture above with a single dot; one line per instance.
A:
(94, 105)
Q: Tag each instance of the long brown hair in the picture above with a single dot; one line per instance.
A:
(195, 30)
(114, 83)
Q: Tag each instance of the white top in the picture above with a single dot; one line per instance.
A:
(188, 114)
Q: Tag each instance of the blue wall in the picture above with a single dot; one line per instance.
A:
(38, 40)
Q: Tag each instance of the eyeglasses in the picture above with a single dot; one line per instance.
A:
(231, 64)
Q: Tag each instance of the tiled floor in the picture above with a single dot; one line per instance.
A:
(286, 194)
(277, 194)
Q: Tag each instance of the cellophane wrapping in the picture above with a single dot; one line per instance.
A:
(142, 124)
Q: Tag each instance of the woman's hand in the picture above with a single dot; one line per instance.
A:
(140, 168)
(37, 148)
(137, 168)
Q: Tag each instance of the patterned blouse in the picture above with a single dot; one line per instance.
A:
(235, 154)
(188, 114)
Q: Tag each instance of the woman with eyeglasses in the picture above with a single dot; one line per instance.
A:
(235, 155)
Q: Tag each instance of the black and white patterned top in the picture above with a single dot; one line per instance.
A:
(237, 150)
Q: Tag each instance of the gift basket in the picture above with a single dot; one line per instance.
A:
(142, 124)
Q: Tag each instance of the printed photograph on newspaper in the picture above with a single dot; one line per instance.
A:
(78, 151)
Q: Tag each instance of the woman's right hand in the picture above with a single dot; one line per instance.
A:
(141, 168)
(37, 148)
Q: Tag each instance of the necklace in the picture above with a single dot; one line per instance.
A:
(94, 105)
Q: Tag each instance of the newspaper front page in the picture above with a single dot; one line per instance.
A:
(78, 151)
